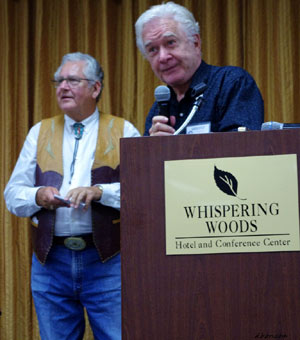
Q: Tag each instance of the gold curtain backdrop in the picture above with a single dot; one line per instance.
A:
(261, 36)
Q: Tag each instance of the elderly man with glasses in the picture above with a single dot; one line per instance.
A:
(67, 180)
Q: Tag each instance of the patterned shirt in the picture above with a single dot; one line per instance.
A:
(231, 99)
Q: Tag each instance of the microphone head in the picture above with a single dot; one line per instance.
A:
(162, 93)
(271, 126)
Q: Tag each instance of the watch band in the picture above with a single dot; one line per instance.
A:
(100, 187)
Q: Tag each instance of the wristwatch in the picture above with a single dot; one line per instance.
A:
(100, 187)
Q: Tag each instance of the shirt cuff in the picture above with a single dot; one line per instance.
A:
(110, 195)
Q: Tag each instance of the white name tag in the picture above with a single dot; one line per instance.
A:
(198, 128)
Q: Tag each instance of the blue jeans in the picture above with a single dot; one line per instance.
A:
(71, 281)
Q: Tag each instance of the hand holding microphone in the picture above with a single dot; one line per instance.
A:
(162, 124)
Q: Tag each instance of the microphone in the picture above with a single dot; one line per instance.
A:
(278, 126)
(162, 95)
(197, 93)
(198, 89)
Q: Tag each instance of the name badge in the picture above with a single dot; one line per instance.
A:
(198, 128)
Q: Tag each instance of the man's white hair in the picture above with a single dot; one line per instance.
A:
(92, 69)
(166, 10)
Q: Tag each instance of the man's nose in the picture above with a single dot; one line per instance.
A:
(164, 54)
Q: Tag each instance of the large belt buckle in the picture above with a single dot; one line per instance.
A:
(75, 243)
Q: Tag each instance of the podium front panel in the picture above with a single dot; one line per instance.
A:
(193, 297)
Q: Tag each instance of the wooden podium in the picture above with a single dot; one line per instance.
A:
(193, 297)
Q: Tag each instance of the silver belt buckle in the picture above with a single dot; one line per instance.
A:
(75, 243)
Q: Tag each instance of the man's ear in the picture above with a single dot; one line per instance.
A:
(97, 89)
(197, 41)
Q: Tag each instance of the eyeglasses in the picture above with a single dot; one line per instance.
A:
(71, 81)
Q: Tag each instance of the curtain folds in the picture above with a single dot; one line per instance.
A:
(261, 36)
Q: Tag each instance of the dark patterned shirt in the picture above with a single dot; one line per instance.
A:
(231, 99)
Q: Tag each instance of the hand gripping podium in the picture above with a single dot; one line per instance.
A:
(234, 296)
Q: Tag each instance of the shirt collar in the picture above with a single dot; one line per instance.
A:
(201, 75)
(88, 122)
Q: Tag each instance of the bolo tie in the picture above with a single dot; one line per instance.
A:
(78, 132)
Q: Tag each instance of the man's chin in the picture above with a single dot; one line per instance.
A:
(66, 107)
(172, 79)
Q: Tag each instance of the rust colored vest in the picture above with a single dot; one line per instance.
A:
(105, 169)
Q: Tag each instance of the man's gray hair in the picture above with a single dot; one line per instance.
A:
(91, 70)
(166, 10)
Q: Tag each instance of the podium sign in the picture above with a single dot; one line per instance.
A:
(250, 207)
(222, 296)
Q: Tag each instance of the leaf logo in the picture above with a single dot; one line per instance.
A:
(226, 182)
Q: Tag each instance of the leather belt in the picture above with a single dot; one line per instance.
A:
(78, 242)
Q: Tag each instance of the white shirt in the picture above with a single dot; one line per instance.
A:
(20, 191)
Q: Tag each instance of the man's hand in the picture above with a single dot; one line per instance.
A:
(45, 198)
(160, 126)
(85, 195)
